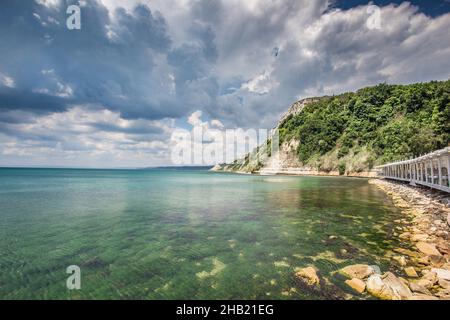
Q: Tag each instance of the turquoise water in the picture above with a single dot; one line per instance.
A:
(184, 234)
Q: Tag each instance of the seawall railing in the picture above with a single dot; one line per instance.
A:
(431, 170)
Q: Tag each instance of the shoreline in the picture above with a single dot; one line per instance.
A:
(425, 229)
(420, 265)
(302, 173)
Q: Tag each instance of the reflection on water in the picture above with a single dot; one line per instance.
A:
(166, 234)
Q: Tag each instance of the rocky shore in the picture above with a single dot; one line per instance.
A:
(423, 264)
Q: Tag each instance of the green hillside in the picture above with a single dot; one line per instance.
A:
(355, 131)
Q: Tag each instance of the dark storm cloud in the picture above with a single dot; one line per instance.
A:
(111, 64)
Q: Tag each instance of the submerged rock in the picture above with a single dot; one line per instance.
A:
(411, 272)
(405, 235)
(356, 284)
(359, 271)
(407, 252)
(401, 260)
(425, 260)
(308, 275)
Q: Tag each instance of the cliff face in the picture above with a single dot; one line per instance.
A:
(351, 133)
(263, 162)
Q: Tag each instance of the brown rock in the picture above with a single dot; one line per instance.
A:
(444, 284)
(437, 261)
(356, 284)
(424, 260)
(396, 285)
(428, 280)
(443, 248)
(309, 275)
(422, 297)
(428, 248)
(377, 288)
(401, 260)
(407, 252)
(419, 237)
(411, 272)
(418, 288)
(359, 271)
(443, 294)
(405, 235)
(442, 274)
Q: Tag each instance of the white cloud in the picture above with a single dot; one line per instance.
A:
(261, 84)
(59, 89)
(195, 119)
(48, 3)
(217, 124)
(7, 81)
(89, 137)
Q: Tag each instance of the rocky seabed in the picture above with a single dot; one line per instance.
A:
(424, 261)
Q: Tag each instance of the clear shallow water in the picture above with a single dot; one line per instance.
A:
(181, 234)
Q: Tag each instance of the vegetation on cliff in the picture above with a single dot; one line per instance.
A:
(355, 131)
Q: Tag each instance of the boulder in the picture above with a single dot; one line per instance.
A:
(407, 252)
(405, 235)
(401, 260)
(443, 295)
(425, 260)
(396, 285)
(411, 272)
(308, 275)
(377, 288)
(444, 248)
(356, 284)
(419, 237)
(448, 219)
(442, 274)
(444, 284)
(418, 288)
(428, 280)
(359, 271)
(437, 261)
(428, 248)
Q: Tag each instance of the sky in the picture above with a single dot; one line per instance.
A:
(112, 93)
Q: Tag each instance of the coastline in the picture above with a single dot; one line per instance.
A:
(296, 172)
(426, 229)
(420, 265)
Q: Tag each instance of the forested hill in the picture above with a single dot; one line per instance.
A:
(392, 122)
(353, 132)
